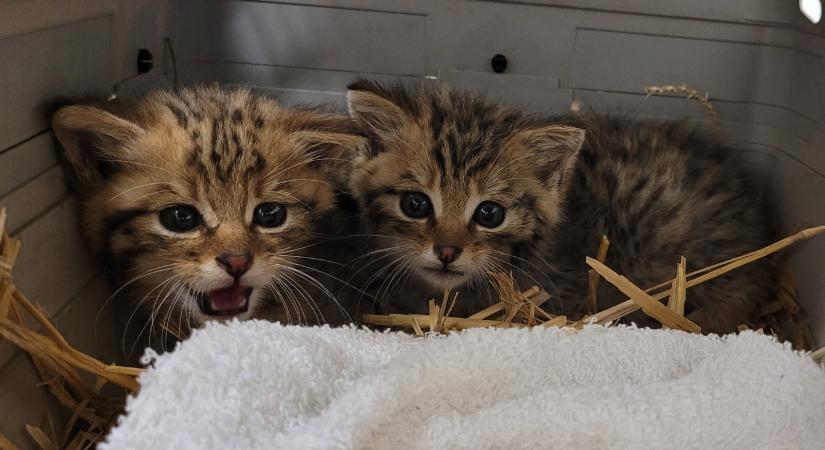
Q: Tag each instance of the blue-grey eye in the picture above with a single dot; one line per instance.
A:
(489, 214)
(180, 218)
(269, 215)
(415, 205)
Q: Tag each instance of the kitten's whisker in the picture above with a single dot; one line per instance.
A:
(320, 286)
(271, 175)
(307, 299)
(375, 261)
(367, 284)
(123, 161)
(138, 306)
(388, 280)
(513, 266)
(273, 287)
(551, 285)
(538, 269)
(285, 291)
(326, 274)
(152, 312)
(278, 184)
(163, 313)
(381, 236)
(152, 271)
(133, 188)
(311, 258)
(498, 169)
(388, 250)
(141, 197)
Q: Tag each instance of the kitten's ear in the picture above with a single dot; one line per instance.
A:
(557, 147)
(374, 113)
(332, 152)
(91, 138)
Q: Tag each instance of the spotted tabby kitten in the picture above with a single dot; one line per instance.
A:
(453, 187)
(209, 203)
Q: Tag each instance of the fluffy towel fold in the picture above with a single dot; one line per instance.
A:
(263, 385)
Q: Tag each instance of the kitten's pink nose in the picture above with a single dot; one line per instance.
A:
(235, 264)
(447, 254)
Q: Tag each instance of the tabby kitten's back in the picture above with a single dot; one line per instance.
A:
(209, 203)
(454, 187)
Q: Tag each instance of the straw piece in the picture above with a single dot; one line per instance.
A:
(531, 292)
(709, 273)
(77, 413)
(649, 305)
(417, 328)
(513, 311)
(35, 343)
(590, 305)
(6, 444)
(676, 301)
(558, 321)
(819, 355)
(692, 94)
(3, 216)
(40, 438)
(406, 320)
(488, 311)
(6, 296)
(432, 318)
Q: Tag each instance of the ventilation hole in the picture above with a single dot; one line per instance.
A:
(812, 9)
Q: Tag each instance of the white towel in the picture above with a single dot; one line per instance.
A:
(260, 385)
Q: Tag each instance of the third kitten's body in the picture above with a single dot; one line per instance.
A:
(657, 190)
(455, 187)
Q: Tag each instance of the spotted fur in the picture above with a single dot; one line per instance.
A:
(223, 152)
(656, 190)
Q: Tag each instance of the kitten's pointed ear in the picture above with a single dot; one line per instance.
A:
(91, 138)
(374, 113)
(557, 147)
(332, 152)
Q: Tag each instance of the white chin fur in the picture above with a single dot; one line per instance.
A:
(441, 283)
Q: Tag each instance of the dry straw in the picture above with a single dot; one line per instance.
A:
(76, 380)
(691, 94)
(523, 309)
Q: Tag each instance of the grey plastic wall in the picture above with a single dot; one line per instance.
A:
(760, 60)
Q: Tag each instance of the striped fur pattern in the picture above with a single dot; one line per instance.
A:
(224, 153)
(656, 190)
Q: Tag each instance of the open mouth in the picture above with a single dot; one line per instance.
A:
(228, 301)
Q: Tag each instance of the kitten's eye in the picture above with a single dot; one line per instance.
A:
(180, 218)
(415, 205)
(489, 214)
(269, 215)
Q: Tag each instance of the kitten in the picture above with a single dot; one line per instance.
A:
(209, 203)
(453, 187)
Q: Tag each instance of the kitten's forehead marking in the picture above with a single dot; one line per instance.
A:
(470, 206)
(437, 199)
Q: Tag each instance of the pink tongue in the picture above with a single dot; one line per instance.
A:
(228, 298)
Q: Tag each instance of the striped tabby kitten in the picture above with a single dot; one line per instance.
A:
(453, 187)
(207, 204)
